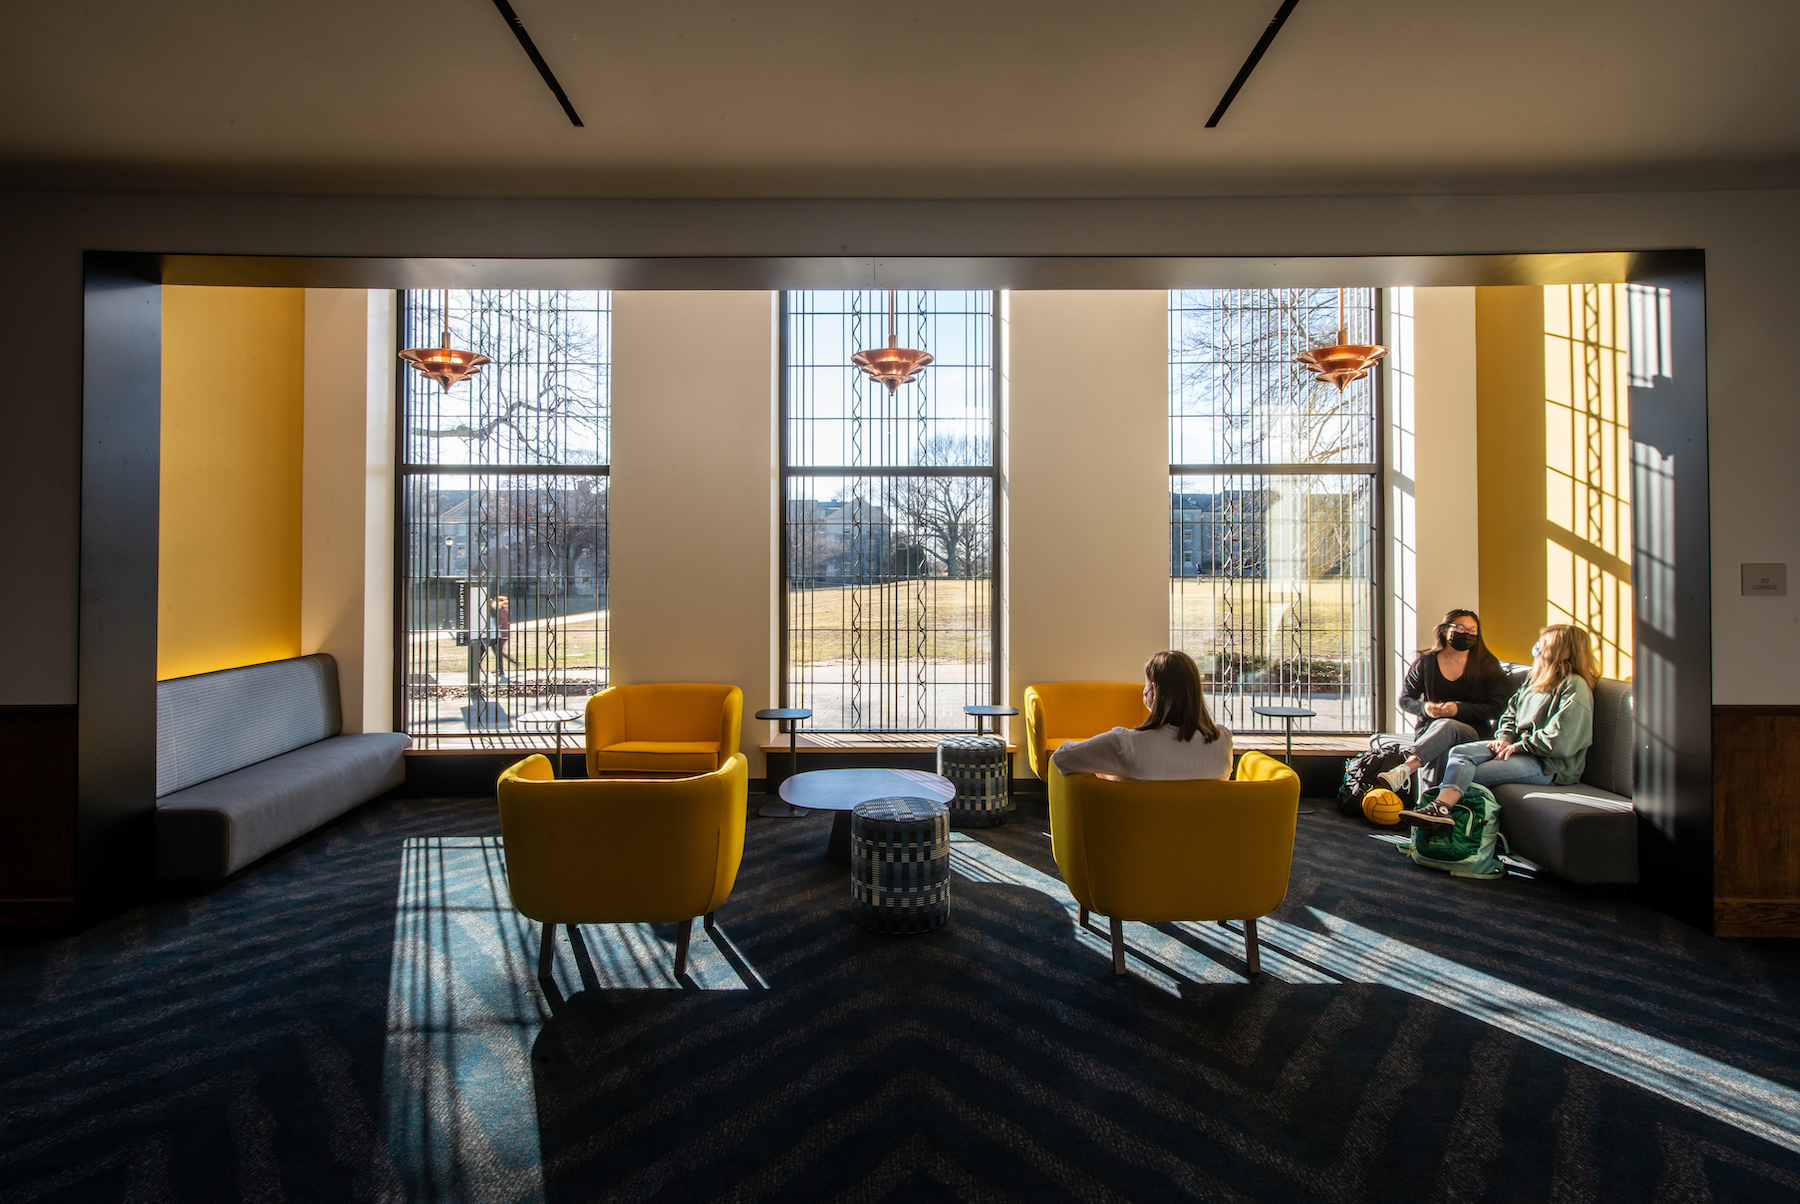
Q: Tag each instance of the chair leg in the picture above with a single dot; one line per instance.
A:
(1118, 943)
(684, 930)
(1251, 954)
(547, 954)
(1081, 918)
(711, 920)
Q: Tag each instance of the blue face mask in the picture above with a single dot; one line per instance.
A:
(1537, 649)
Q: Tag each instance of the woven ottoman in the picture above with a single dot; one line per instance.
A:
(900, 864)
(976, 766)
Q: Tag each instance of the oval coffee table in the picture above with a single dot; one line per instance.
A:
(840, 790)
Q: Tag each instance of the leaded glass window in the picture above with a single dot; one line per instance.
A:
(504, 514)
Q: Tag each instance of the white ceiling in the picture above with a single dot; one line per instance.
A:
(933, 98)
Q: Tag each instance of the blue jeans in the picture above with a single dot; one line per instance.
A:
(1433, 745)
(1474, 763)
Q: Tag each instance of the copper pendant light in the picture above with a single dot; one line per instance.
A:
(892, 365)
(446, 365)
(1344, 362)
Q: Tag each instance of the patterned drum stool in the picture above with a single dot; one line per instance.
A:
(900, 864)
(976, 766)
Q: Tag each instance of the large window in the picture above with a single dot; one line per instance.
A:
(889, 607)
(503, 504)
(1272, 506)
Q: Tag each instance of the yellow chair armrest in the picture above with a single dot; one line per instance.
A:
(732, 723)
(604, 723)
(1034, 734)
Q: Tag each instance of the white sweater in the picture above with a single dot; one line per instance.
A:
(1153, 756)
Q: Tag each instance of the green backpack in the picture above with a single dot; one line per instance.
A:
(1471, 846)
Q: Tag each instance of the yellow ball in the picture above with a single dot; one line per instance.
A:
(1382, 807)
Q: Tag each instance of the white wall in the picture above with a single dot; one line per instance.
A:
(1445, 468)
(1088, 487)
(693, 504)
(347, 503)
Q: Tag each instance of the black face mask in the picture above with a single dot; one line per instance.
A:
(1462, 641)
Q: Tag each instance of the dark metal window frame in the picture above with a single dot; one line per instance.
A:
(1376, 471)
(993, 470)
(403, 469)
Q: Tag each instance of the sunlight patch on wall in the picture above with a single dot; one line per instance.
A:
(1588, 473)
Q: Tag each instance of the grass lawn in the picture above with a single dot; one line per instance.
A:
(579, 640)
(932, 618)
(1328, 612)
(948, 621)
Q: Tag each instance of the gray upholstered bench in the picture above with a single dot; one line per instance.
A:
(249, 759)
(1588, 832)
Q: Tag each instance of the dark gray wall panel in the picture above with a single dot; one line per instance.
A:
(121, 439)
(1672, 584)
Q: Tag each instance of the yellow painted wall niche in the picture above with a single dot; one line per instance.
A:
(1553, 426)
(233, 379)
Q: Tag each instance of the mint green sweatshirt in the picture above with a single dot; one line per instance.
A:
(1556, 728)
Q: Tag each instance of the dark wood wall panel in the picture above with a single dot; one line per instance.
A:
(37, 817)
(1756, 821)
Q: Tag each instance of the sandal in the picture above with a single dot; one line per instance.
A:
(1433, 814)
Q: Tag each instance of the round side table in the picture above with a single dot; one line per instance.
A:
(983, 713)
(1290, 714)
(541, 718)
(997, 713)
(792, 717)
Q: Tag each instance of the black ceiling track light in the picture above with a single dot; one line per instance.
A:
(1262, 44)
(562, 98)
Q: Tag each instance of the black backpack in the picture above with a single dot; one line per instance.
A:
(1361, 774)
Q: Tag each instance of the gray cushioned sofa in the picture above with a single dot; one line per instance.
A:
(249, 759)
(1587, 832)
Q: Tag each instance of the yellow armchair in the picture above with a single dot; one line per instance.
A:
(1059, 711)
(1157, 851)
(670, 728)
(624, 851)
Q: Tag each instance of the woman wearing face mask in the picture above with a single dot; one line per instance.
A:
(1178, 743)
(1542, 736)
(1456, 689)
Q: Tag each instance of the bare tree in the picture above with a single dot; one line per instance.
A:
(571, 523)
(542, 399)
(949, 514)
(1238, 370)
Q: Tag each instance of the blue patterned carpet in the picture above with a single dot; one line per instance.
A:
(358, 1019)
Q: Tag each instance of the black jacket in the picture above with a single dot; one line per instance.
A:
(1479, 697)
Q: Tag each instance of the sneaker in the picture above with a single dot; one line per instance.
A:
(1433, 815)
(1397, 777)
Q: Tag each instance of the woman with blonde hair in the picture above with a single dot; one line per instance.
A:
(1543, 735)
(1178, 743)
